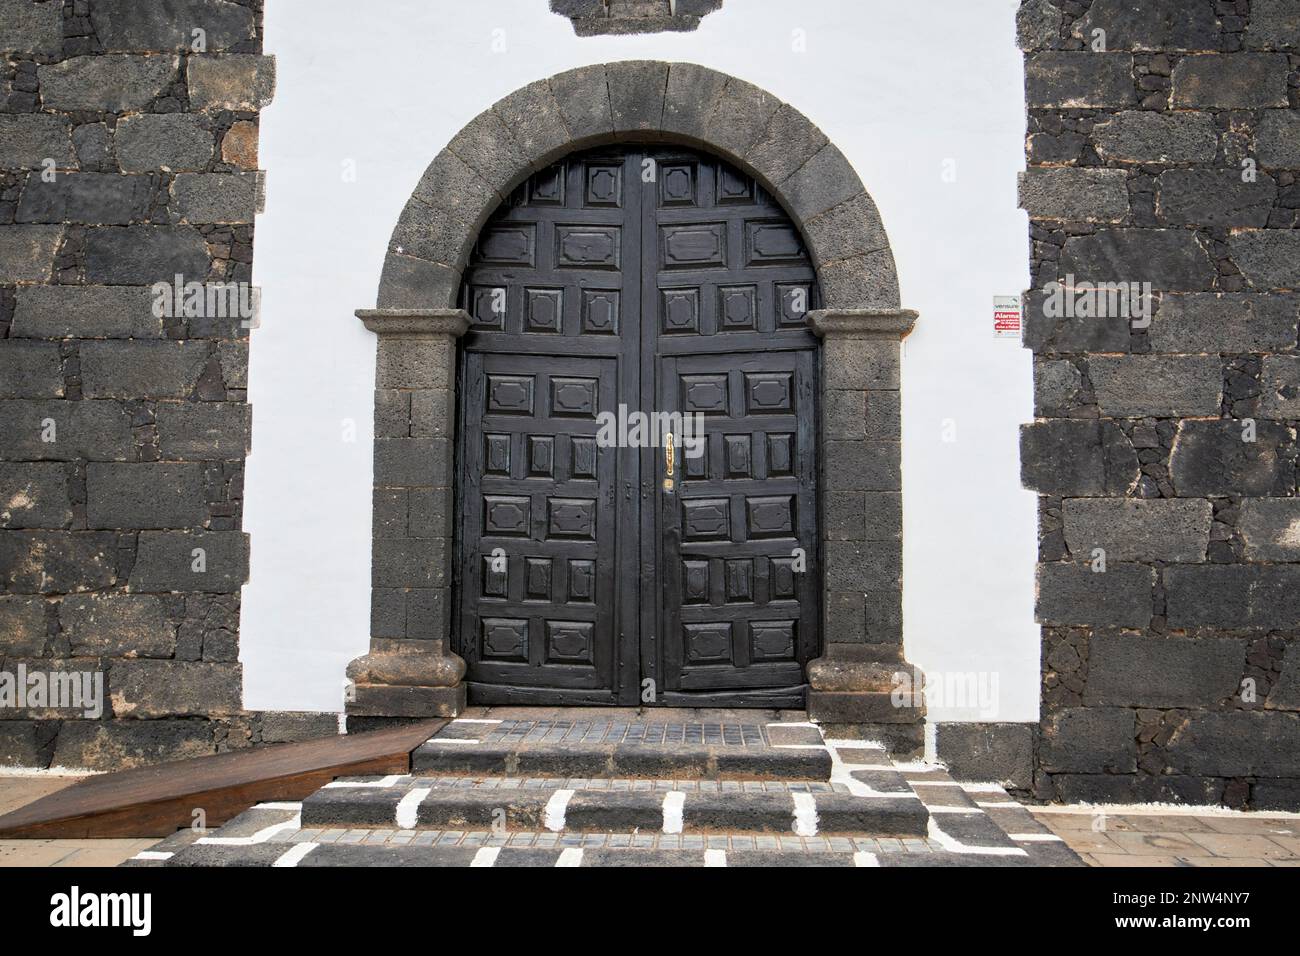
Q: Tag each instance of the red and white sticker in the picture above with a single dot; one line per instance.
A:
(1006, 316)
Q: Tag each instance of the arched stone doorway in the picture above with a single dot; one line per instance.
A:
(411, 670)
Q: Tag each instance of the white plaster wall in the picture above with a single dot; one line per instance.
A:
(900, 88)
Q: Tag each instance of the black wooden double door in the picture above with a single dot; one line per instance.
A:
(596, 565)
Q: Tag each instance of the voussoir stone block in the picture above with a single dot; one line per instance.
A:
(27, 140)
(1063, 192)
(739, 117)
(692, 93)
(411, 283)
(823, 182)
(113, 83)
(1079, 80)
(214, 562)
(1071, 593)
(533, 119)
(1232, 81)
(1157, 385)
(636, 95)
(1270, 528)
(789, 141)
(486, 148)
(1156, 529)
(1140, 136)
(583, 96)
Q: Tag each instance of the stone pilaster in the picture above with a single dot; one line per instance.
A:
(410, 670)
(853, 683)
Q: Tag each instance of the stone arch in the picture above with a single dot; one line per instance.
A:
(680, 103)
(410, 670)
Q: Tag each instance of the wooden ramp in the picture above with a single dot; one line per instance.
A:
(159, 800)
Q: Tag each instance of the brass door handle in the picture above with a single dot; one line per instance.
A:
(670, 459)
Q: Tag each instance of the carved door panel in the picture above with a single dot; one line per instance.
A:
(581, 577)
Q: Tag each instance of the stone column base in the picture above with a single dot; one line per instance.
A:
(868, 692)
(409, 679)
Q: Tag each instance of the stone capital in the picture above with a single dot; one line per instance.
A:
(862, 323)
(415, 323)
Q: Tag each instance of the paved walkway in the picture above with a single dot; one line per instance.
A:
(964, 814)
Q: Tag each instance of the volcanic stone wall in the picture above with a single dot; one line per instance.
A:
(128, 157)
(1166, 149)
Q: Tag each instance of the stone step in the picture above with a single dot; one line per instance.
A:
(583, 759)
(805, 811)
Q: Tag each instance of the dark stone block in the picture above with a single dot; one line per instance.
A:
(988, 752)
(620, 811)
(1090, 740)
(1157, 25)
(1079, 80)
(1131, 670)
(1075, 594)
(846, 813)
(1237, 744)
(1233, 596)
(352, 807)
(34, 495)
(133, 26)
(168, 561)
(1212, 197)
(1067, 457)
(1214, 458)
(65, 431)
(94, 198)
(1170, 259)
(122, 744)
(154, 495)
(204, 430)
(31, 370)
(1233, 81)
(57, 562)
(143, 255)
(148, 689)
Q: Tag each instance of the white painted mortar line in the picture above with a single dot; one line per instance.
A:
(295, 854)
(805, 813)
(970, 787)
(486, 856)
(966, 810)
(389, 781)
(570, 856)
(953, 845)
(996, 804)
(674, 802)
(154, 855)
(1036, 837)
(408, 808)
(715, 857)
(555, 808)
(261, 836)
(1166, 810)
(280, 806)
(790, 723)
(863, 858)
